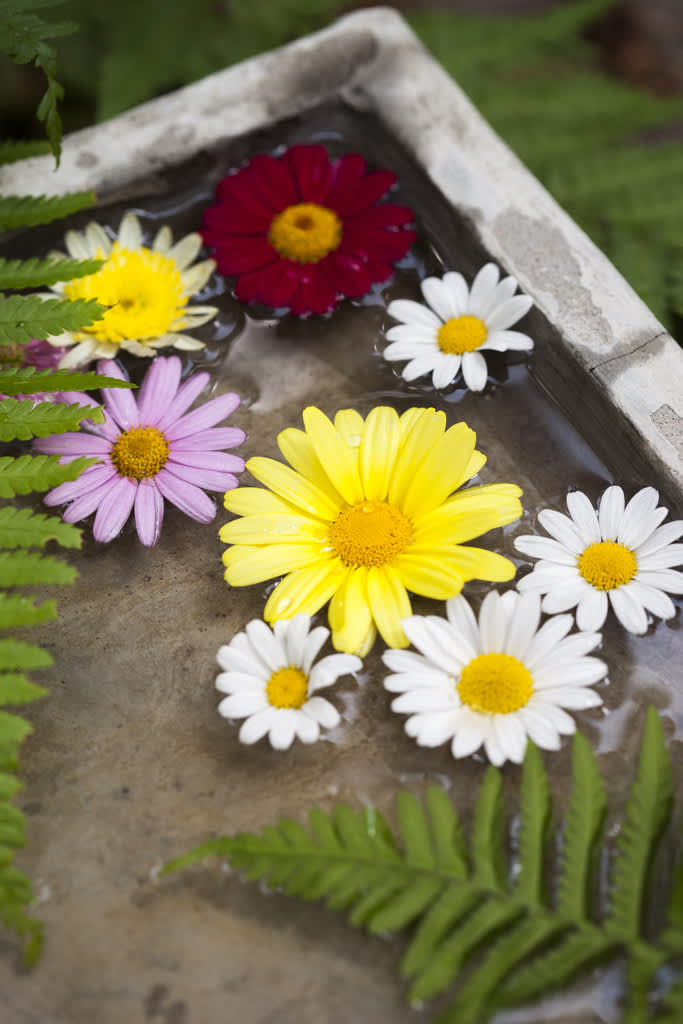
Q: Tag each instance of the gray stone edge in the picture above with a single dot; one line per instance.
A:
(375, 63)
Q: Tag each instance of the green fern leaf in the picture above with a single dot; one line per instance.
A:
(487, 836)
(17, 611)
(672, 936)
(22, 528)
(22, 421)
(25, 380)
(28, 473)
(9, 786)
(673, 1005)
(27, 211)
(11, 151)
(15, 688)
(35, 273)
(534, 823)
(582, 831)
(25, 568)
(24, 317)
(13, 730)
(647, 811)
(17, 654)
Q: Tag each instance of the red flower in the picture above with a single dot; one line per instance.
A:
(303, 231)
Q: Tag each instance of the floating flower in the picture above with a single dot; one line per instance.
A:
(301, 230)
(366, 512)
(148, 450)
(146, 289)
(496, 682)
(272, 682)
(621, 556)
(456, 326)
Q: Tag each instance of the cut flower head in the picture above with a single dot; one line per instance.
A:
(495, 682)
(146, 289)
(272, 680)
(366, 513)
(456, 326)
(149, 450)
(620, 556)
(302, 231)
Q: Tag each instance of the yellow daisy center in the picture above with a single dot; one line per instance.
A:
(607, 565)
(305, 232)
(371, 533)
(495, 684)
(461, 334)
(287, 688)
(140, 452)
(144, 290)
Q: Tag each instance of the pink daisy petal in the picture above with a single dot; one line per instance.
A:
(114, 508)
(158, 388)
(210, 440)
(185, 496)
(118, 402)
(149, 512)
(220, 462)
(88, 481)
(188, 391)
(206, 416)
(72, 444)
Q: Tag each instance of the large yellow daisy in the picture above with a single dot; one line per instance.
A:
(366, 513)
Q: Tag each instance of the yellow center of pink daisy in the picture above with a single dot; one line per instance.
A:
(143, 289)
(461, 334)
(495, 684)
(607, 565)
(287, 688)
(305, 232)
(140, 452)
(371, 533)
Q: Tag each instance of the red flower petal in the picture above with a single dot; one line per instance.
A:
(275, 182)
(245, 188)
(314, 295)
(240, 255)
(375, 242)
(348, 275)
(233, 219)
(311, 169)
(383, 216)
(361, 194)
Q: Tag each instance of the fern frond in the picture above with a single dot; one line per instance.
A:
(15, 688)
(28, 473)
(15, 654)
(13, 730)
(27, 211)
(582, 831)
(23, 421)
(35, 273)
(534, 822)
(17, 611)
(25, 380)
(647, 812)
(672, 936)
(22, 528)
(25, 568)
(11, 151)
(23, 317)
(487, 835)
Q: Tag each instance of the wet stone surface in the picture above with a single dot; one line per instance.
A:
(130, 765)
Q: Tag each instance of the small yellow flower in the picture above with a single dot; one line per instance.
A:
(365, 513)
(145, 289)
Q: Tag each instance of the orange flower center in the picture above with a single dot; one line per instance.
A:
(371, 533)
(305, 232)
(461, 334)
(140, 452)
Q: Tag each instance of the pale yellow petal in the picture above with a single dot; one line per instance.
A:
(297, 448)
(304, 591)
(273, 529)
(378, 452)
(476, 463)
(439, 472)
(350, 617)
(338, 460)
(256, 501)
(469, 514)
(351, 425)
(389, 603)
(293, 487)
(430, 574)
(480, 564)
(421, 429)
(245, 564)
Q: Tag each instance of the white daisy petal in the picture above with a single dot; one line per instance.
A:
(539, 728)
(662, 536)
(511, 737)
(639, 518)
(446, 370)
(241, 705)
(331, 668)
(585, 519)
(665, 558)
(458, 292)
(566, 594)
(418, 366)
(298, 629)
(653, 600)
(408, 350)
(507, 341)
(628, 609)
(283, 729)
(461, 616)
(413, 313)
(494, 751)
(474, 370)
(432, 728)
(666, 579)
(482, 288)
(504, 290)
(414, 334)
(562, 529)
(523, 625)
(544, 547)
(324, 713)
(592, 610)
(423, 699)
(611, 512)
(306, 728)
(438, 296)
(549, 638)
(508, 313)
(257, 726)
(265, 644)
(492, 623)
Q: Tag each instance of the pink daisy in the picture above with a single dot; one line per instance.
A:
(302, 231)
(148, 450)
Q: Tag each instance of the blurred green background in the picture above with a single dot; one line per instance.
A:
(589, 93)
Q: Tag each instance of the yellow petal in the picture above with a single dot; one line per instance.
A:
(439, 472)
(378, 452)
(431, 575)
(273, 529)
(257, 501)
(479, 564)
(292, 487)
(349, 615)
(468, 514)
(421, 429)
(390, 603)
(245, 564)
(476, 463)
(338, 460)
(305, 590)
(351, 425)
(297, 448)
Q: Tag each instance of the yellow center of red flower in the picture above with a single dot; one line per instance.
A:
(607, 565)
(461, 334)
(495, 684)
(140, 452)
(371, 533)
(287, 688)
(305, 232)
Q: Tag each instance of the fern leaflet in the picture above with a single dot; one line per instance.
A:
(35, 273)
(28, 473)
(11, 150)
(22, 528)
(26, 380)
(27, 211)
(24, 568)
(23, 317)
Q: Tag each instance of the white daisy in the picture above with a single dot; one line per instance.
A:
(497, 682)
(145, 289)
(271, 681)
(620, 556)
(458, 326)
